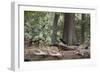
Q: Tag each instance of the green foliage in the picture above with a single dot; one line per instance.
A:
(38, 27)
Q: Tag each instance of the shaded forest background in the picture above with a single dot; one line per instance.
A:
(46, 28)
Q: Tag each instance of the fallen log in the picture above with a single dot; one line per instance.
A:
(64, 47)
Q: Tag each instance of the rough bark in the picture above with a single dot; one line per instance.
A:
(83, 29)
(54, 34)
(68, 27)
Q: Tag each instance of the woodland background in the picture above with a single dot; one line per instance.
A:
(45, 28)
(53, 33)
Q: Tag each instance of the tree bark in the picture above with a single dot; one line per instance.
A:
(83, 29)
(68, 27)
(54, 34)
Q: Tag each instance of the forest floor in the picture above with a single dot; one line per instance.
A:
(53, 53)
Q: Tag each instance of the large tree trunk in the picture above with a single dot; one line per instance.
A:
(54, 34)
(68, 27)
(74, 36)
(83, 29)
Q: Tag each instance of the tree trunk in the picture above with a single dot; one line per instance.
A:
(54, 34)
(83, 29)
(68, 28)
(74, 36)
